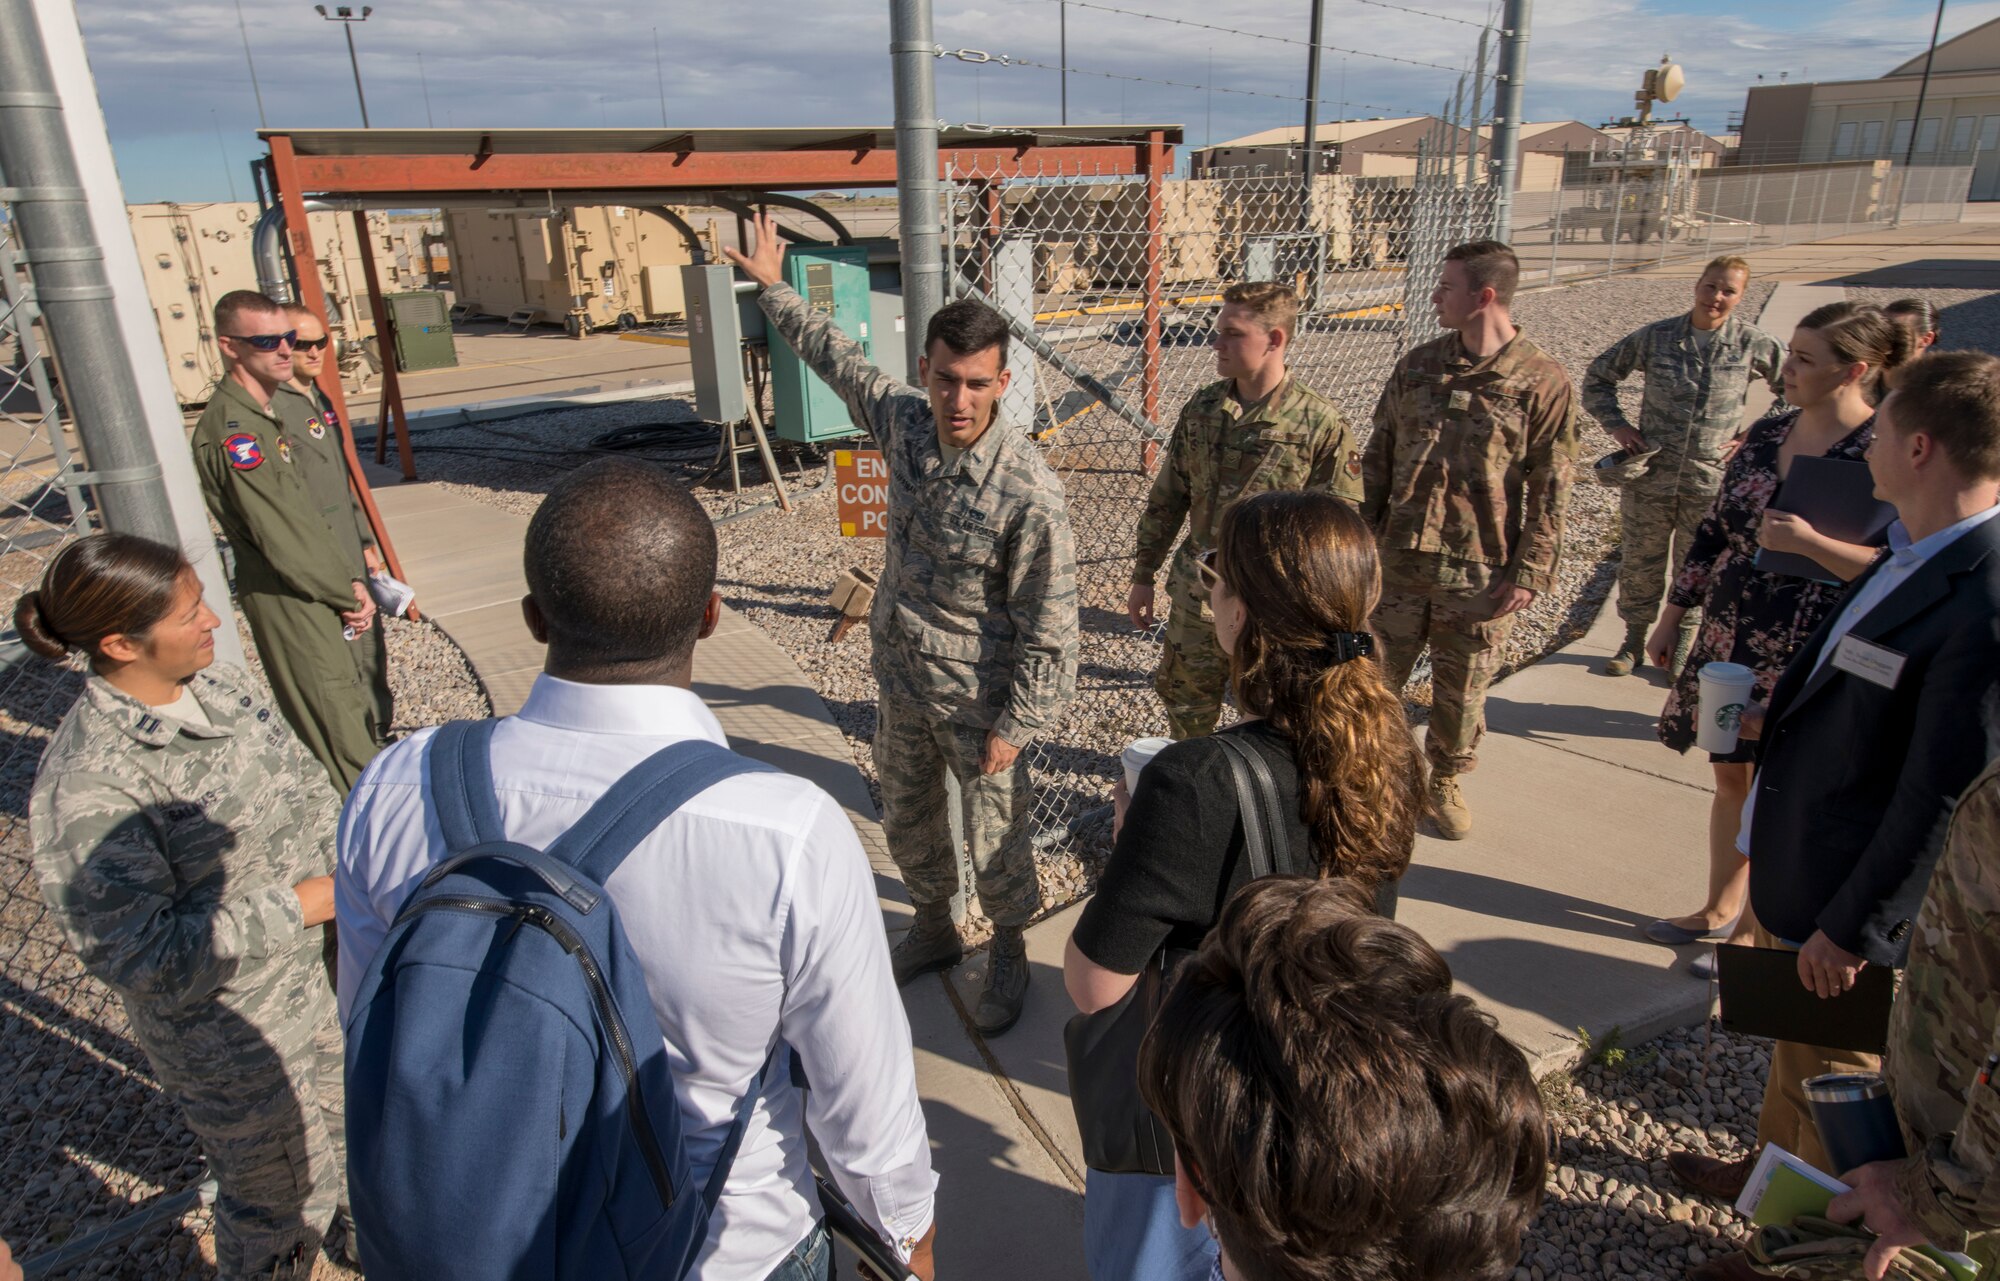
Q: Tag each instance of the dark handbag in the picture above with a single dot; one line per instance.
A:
(1120, 1133)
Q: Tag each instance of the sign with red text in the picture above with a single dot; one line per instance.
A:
(861, 492)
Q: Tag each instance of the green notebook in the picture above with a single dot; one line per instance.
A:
(1782, 1187)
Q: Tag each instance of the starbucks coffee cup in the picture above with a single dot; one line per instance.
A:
(1725, 692)
(1139, 755)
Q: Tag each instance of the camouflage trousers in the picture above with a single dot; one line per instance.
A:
(1193, 670)
(914, 747)
(275, 1135)
(1449, 604)
(1656, 527)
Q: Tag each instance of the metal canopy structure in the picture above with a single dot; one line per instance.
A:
(416, 168)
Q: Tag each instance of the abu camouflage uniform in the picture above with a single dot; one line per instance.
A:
(169, 853)
(1466, 480)
(293, 526)
(974, 623)
(1693, 408)
(1223, 450)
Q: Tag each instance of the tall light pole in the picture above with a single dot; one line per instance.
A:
(346, 17)
(1923, 92)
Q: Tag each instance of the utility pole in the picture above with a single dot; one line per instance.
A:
(346, 17)
(1312, 116)
(1507, 121)
(913, 60)
(1062, 58)
(660, 74)
(1923, 90)
(244, 30)
(430, 121)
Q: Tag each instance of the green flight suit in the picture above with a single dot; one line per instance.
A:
(295, 529)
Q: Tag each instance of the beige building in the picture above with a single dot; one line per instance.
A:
(1358, 148)
(1877, 119)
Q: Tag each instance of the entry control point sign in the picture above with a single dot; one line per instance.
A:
(861, 492)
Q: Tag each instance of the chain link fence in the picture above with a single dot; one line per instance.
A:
(1624, 209)
(1116, 281)
(85, 1133)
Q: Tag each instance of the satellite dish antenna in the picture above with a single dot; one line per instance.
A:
(1668, 81)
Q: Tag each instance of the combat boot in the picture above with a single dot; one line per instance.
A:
(1631, 656)
(1006, 987)
(1454, 821)
(931, 943)
(1683, 645)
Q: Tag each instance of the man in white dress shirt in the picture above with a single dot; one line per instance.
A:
(752, 910)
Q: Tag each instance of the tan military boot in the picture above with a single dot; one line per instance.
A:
(1454, 821)
(1006, 987)
(1631, 656)
(931, 943)
(1683, 645)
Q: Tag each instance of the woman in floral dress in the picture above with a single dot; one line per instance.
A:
(1759, 619)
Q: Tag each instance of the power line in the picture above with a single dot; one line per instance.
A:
(1260, 35)
(981, 56)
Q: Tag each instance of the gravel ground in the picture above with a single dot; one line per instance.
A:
(84, 1132)
(1968, 319)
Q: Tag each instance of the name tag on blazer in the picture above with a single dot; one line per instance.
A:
(1876, 664)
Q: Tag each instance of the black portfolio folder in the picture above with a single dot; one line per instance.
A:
(1762, 996)
(1837, 497)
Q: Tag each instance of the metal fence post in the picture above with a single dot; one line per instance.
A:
(1507, 123)
(1556, 222)
(1156, 163)
(912, 57)
(62, 44)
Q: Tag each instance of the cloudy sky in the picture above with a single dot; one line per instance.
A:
(177, 90)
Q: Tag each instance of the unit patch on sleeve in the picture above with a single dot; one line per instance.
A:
(245, 454)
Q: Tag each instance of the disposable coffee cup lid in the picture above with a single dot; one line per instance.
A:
(1726, 672)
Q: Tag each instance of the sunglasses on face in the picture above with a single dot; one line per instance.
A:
(1205, 563)
(310, 344)
(268, 342)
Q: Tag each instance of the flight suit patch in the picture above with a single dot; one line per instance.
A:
(245, 454)
(284, 449)
(317, 428)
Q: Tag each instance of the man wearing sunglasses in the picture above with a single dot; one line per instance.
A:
(297, 539)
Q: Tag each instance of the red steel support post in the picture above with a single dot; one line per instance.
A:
(391, 413)
(284, 173)
(1158, 157)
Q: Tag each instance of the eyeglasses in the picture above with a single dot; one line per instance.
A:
(310, 344)
(269, 342)
(1205, 563)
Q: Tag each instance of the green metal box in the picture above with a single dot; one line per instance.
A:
(833, 279)
(422, 324)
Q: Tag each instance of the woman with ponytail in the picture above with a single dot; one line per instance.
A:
(184, 839)
(1292, 582)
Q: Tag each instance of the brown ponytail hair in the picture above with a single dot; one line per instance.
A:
(1863, 332)
(1304, 566)
(98, 586)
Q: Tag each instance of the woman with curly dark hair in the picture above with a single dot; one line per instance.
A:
(1292, 581)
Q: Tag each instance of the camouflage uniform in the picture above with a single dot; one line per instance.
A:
(1693, 407)
(1465, 479)
(974, 623)
(1223, 450)
(1945, 1024)
(169, 853)
(297, 533)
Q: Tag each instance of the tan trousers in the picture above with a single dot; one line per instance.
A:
(1787, 1118)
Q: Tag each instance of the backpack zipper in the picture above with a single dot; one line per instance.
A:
(607, 1012)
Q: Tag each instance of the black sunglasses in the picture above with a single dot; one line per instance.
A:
(310, 344)
(268, 342)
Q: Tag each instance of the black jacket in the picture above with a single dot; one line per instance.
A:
(1857, 783)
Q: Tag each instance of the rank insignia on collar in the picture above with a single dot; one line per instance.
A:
(317, 428)
(245, 454)
(1461, 400)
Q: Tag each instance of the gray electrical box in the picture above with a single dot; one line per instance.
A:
(715, 340)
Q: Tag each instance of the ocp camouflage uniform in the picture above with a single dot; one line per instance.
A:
(297, 532)
(169, 852)
(1223, 450)
(974, 623)
(1693, 408)
(1466, 480)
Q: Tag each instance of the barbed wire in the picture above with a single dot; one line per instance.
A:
(1253, 35)
(1379, 4)
(981, 57)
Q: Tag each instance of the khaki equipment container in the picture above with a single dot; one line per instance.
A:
(593, 267)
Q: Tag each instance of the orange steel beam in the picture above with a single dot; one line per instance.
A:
(391, 414)
(284, 173)
(584, 171)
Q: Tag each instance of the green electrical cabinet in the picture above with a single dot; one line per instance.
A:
(833, 279)
(422, 324)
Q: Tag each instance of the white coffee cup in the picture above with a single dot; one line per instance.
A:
(1725, 692)
(1137, 756)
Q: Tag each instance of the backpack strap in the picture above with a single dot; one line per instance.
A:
(725, 1156)
(644, 798)
(1248, 807)
(459, 768)
(1257, 798)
